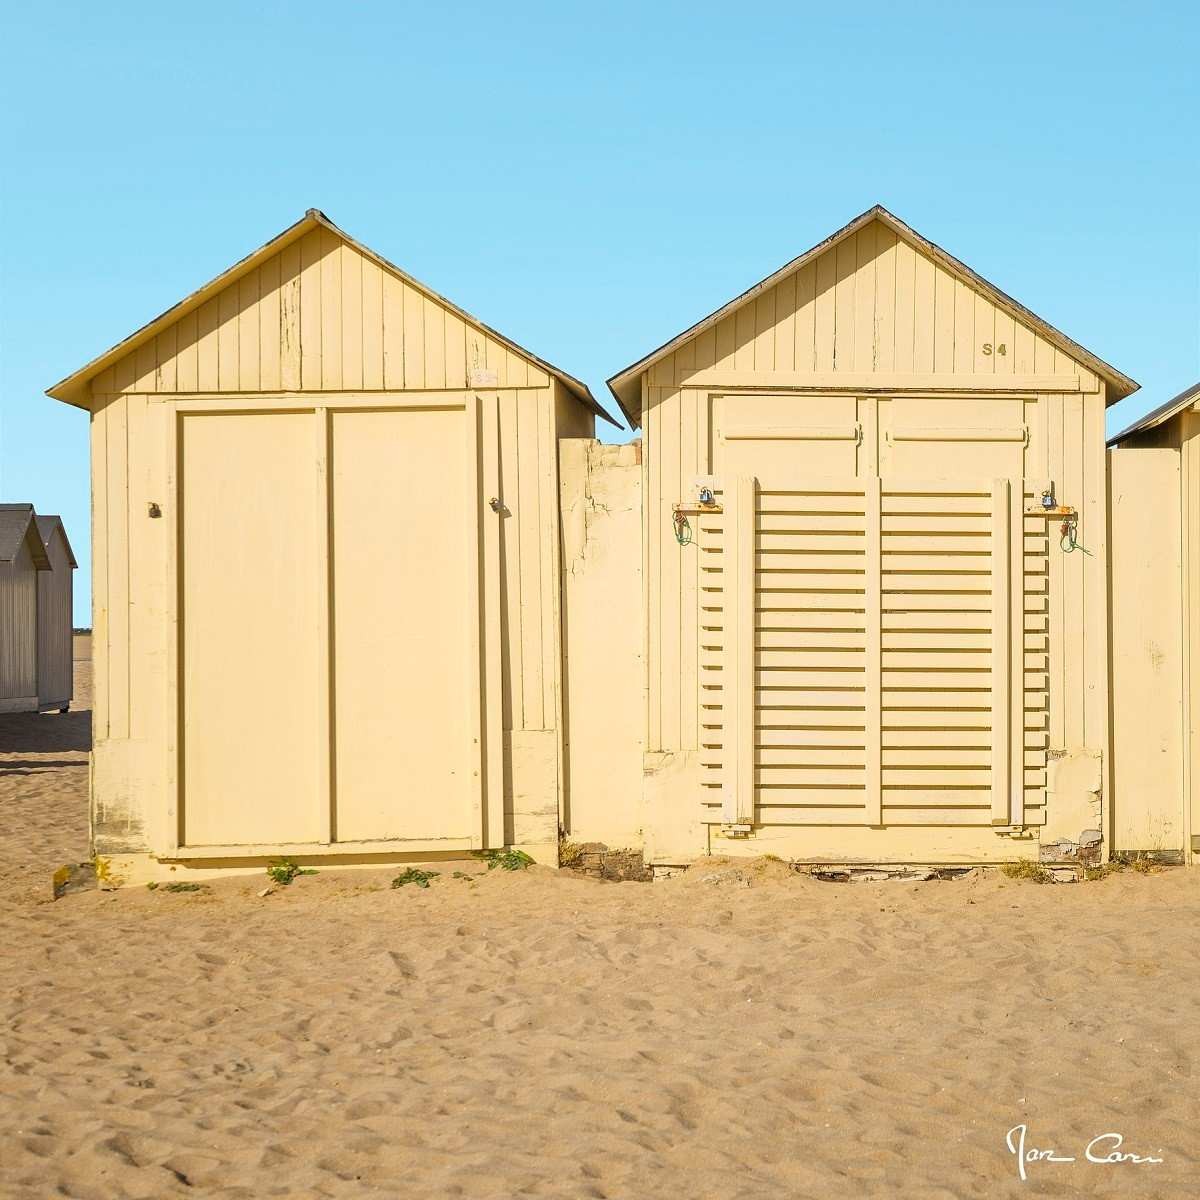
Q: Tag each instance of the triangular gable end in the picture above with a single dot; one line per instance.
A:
(313, 310)
(874, 297)
(50, 526)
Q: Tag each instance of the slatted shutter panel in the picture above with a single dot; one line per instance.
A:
(873, 654)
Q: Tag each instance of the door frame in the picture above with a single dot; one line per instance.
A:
(485, 752)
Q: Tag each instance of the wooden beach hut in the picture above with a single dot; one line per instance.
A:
(1154, 481)
(56, 590)
(875, 559)
(326, 610)
(22, 559)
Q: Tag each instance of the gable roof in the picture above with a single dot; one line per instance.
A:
(47, 526)
(74, 388)
(625, 385)
(17, 528)
(1158, 416)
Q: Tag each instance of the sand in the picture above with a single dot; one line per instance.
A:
(737, 1032)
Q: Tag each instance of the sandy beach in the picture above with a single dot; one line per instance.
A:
(739, 1031)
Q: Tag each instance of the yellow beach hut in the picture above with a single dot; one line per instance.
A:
(875, 547)
(326, 569)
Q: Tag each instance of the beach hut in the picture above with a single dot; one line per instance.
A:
(1154, 481)
(876, 549)
(55, 619)
(22, 559)
(326, 608)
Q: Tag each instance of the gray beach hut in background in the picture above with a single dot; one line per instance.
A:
(35, 611)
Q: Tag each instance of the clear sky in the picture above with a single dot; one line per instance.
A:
(590, 179)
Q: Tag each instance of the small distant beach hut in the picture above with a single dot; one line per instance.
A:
(55, 597)
(22, 559)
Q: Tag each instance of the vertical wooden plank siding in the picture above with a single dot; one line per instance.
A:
(101, 657)
(117, 529)
(1002, 601)
(493, 749)
(873, 673)
(323, 583)
(476, 625)
(739, 656)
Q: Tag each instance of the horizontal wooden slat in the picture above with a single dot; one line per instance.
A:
(849, 776)
(772, 562)
(804, 543)
(937, 541)
(815, 523)
(785, 698)
(936, 640)
(975, 504)
(773, 737)
(806, 642)
(940, 524)
(936, 582)
(771, 758)
(840, 673)
(809, 581)
(951, 776)
(935, 740)
(807, 620)
(792, 600)
(940, 760)
(951, 658)
(928, 723)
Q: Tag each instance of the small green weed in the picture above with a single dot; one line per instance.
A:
(414, 875)
(283, 870)
(151, 886)
(183, 887)
(507, 859)
(1026, 869)
(1102, 871)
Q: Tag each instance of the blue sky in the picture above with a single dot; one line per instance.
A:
(589, 179)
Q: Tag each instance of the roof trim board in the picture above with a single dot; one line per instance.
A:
(625, 385)
(1158, 416)
(74, 388)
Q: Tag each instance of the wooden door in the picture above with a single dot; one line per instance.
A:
(405, 669)
(251, 722)
(338, 666)
(873, 653)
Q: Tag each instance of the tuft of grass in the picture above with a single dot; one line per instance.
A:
(1102, 871)
(183, 887)
(1026, 869)
(283, 870)
(507, 859)
(570, 854)
(414, 875)
(151, 886)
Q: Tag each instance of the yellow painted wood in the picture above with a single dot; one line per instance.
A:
(318, 329)
(1001, 655)
(248, 781)
(738, 659)
(872, 633)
